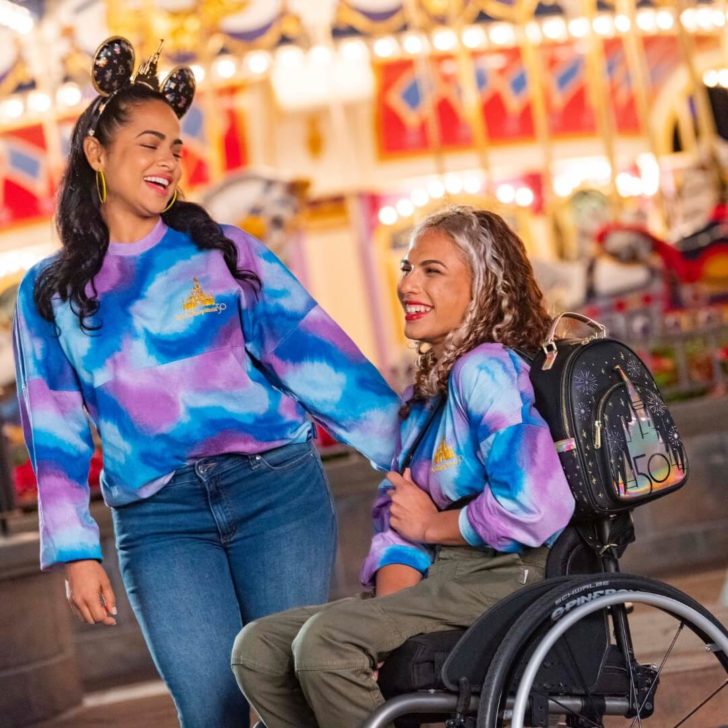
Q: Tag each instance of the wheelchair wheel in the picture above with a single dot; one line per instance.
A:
(610, 650)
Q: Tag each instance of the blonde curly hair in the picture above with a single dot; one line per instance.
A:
(507, 304)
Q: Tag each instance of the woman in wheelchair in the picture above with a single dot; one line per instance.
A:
(480, 497)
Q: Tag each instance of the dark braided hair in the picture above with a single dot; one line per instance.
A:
(83, 232)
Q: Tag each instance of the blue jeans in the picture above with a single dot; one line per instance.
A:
(227, 540)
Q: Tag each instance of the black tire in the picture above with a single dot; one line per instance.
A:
(542, 614)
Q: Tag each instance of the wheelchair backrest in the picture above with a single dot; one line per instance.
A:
(571, 554)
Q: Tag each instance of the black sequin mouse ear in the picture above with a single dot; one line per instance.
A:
(179, 89)
(113, 65)
(113, 70)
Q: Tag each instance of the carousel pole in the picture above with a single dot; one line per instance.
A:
(46, 82)
(639, 74)
(533, 64)
(115, 20)
(706, 122)
(724, 54)
(599, 94)
(320, 33)
(212, 115)
(471, 96)
(425, 76)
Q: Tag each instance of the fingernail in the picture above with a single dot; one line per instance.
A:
(114, 611)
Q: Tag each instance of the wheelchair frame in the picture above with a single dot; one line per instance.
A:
(536, 632)
(674, 606)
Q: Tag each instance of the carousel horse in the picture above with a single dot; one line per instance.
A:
(261, 204)
(697, 260)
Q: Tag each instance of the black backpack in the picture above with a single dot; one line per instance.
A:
(616, 439)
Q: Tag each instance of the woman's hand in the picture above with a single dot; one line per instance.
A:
(414, 515)
(89, 592)
(412, 510)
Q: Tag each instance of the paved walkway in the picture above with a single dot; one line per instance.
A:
(144, 705)
(148, 705)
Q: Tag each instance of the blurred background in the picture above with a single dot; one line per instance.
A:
(327, 128)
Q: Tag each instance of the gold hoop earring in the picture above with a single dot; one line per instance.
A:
(172, 201)
(101, 186)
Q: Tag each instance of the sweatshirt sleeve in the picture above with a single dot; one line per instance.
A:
(387, 546)
(57, 435)
(526, 500)
(304, 352)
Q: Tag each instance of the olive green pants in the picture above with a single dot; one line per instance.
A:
(314, 666)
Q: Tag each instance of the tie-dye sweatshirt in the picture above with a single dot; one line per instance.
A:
(188, 363)
(490, 444)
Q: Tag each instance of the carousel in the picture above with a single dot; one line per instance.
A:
(328, 128)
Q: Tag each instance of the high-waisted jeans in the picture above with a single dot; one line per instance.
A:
(227, 540)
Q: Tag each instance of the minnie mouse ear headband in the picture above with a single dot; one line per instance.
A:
(113, 70)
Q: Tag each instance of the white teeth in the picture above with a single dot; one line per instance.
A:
(158, 180)
(411, 308)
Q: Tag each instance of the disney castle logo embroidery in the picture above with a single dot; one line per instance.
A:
(444, 457)
(199, 303)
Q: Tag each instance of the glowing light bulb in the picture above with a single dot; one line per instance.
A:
(258, 62)
(622, 23)
(354, 50)
(12, 108)
(578, 27)
(474, 37)
(664, 19)
(603, 25)
(554, 29)
(506, 194)
(225, 67)
(436, 189)
(68, 94)
(419, 197)
(444, 40)
(388, 215)
(524, 196)
(501, 34)
(453, 183)
(646, 20)
(414, 44)
(39, 101)
(405, 207)
(385, 47)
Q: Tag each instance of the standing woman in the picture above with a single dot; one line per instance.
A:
(472, 518)
(198, 357)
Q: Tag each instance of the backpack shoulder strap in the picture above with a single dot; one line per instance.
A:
(436, 408)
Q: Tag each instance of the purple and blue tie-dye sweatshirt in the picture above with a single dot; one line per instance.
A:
(188, 363)
(488, 443)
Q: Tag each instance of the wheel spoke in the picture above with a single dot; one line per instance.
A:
(628, 656)
(574, 713)
(633, 691)
(665, 680)
(678, 631)
(701, 704)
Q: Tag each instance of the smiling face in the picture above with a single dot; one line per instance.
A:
(435, 288)
(141, 163)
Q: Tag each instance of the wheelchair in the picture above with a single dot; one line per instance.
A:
(587, 647)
